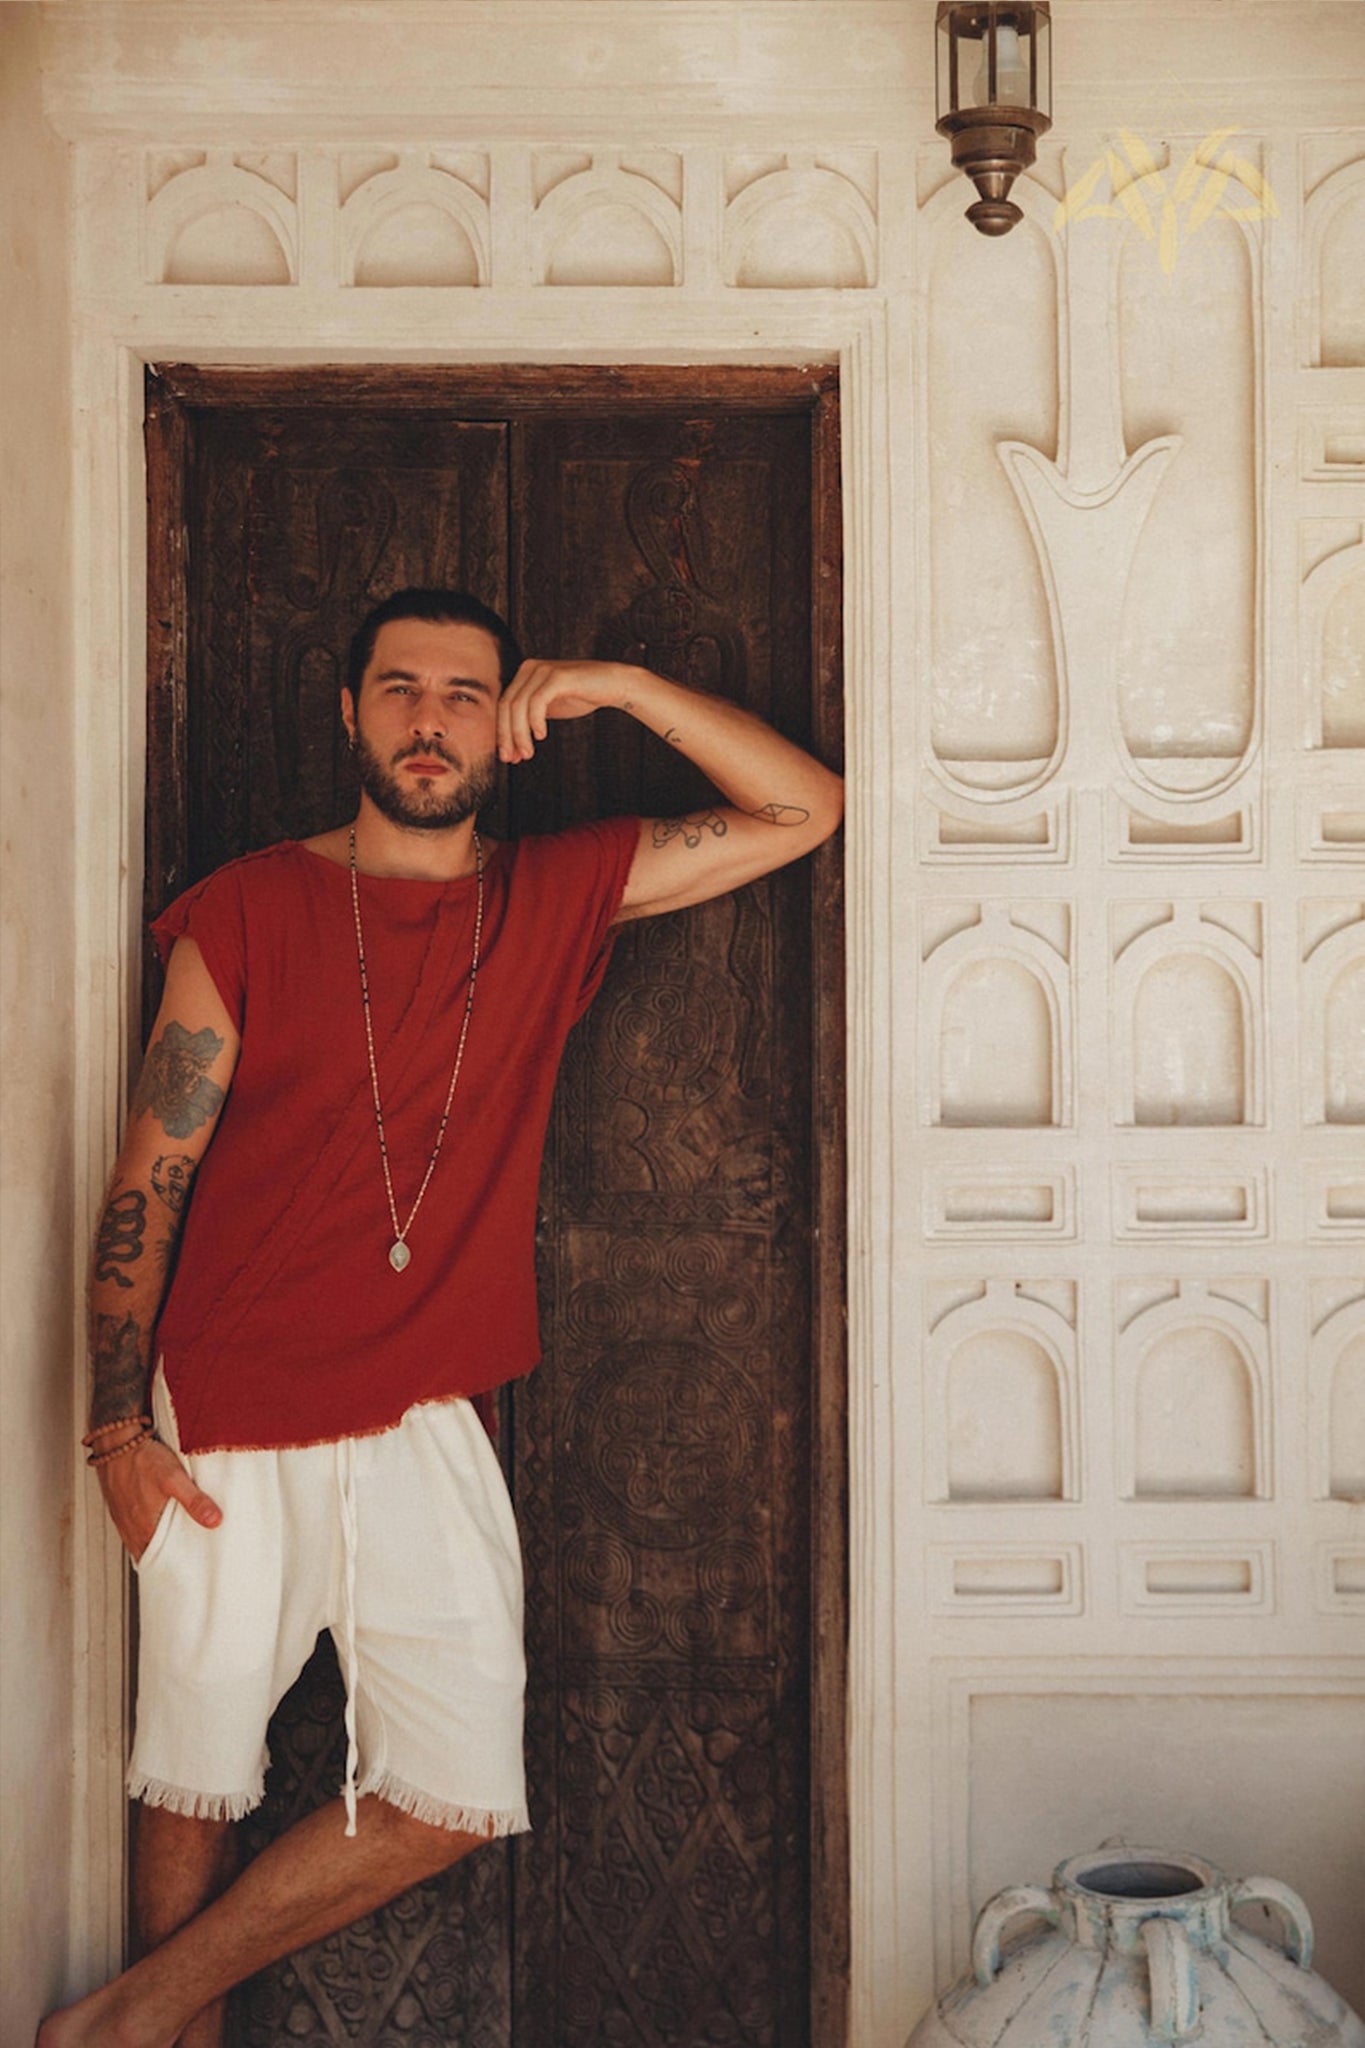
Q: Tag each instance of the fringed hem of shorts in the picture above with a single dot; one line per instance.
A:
(464, 1820)
(194, 1805)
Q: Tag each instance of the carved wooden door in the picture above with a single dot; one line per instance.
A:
(676, 1461)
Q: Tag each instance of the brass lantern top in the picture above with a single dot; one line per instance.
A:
(994, 75)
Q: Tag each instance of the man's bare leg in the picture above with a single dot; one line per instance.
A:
(305, 1885)
(179, 1865)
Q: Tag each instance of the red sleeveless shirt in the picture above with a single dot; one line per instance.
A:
(285, 1323)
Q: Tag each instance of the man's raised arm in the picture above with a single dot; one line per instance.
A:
(185, 1077)
(780, 802)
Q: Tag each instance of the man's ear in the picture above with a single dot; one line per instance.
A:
(348, 711)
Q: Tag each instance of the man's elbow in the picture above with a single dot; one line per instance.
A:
(827, 813)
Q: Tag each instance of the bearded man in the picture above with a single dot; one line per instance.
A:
(334, 1149)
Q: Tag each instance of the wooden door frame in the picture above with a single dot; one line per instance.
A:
(174, 392)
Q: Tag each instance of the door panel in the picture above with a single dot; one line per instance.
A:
(678, 1488)
(664, 1897)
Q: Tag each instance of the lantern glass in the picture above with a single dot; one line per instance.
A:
(993, 53)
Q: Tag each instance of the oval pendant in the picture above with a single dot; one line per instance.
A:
(398, 1255)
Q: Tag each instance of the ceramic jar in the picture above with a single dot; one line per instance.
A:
(1140, 1948)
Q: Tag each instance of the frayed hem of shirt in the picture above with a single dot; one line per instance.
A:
(464, 1820)
(194, 1805)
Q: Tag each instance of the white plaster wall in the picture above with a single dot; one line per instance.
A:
(1107, 802)
(37, 724)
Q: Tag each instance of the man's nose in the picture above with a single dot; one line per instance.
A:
(428, 716)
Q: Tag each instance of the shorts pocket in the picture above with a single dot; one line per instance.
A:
(159, 1536)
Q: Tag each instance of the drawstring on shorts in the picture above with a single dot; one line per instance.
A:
(345, 1473)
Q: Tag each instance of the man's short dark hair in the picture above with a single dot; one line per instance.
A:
(439, 608)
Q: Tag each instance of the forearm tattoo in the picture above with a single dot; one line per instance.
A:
(122, 1229)
(172, 1176)
(120, 1370)
(175, 1087)
(780, 814)
(689, 830)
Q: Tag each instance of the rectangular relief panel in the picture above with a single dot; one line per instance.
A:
(1341, 1578)
(1153, 1202)
(1020, 837)
(1196, 1578)
(1155, 834)
(999, 1202)
(971, 1580)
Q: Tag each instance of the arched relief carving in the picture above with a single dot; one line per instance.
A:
(220, 223)
(998, 1033)
(1186, 698)
(1187, 1016)
(1194, 1396)
(998, 710)
(1337, 1349)
(415, 224)
(1332, 628)
(607, 225)
(1333, 1023)
(803, 225)
(1333, 260)
(1003, 1381)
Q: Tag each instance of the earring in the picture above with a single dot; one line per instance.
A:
(350, 742)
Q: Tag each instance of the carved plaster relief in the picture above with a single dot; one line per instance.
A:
(603, 220)
(213, 217)
(1332, 612)
(998, 719)
(1004, 1385)
(1337, 1348)
(418, 220)
(1333, 1018)
(998, 1005)
(1153, 1202)
(1194, 1391)
(1186, 671)
(1196, 1578)
(1128, 644)
(1187, 1006)
(969, 1580)
(1333, 259)
(801, 222)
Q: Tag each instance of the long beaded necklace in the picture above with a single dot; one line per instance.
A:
(399, 1254)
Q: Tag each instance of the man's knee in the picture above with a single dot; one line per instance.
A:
(430, 1844)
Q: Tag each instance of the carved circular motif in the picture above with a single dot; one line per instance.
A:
(599, 1312)
(730, 1575)
(675, 1031)
(632, 1262)
(693, 1261)
(667, 1439)
(598, 1568)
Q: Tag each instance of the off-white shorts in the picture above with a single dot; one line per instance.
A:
(404, 1545)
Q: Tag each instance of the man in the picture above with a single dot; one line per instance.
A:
(351, 1069)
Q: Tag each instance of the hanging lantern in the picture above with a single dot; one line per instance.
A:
(994, 96)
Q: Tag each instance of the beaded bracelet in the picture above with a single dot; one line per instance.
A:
(132, 1443)
(92, 1436)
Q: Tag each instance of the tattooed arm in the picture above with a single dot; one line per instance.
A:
(185, 1077)
(780, 802)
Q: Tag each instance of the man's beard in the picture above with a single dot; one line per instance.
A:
(420, 805)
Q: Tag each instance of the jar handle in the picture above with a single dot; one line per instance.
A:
(1174, 1987)
(1297, 1920)
(995, 1915)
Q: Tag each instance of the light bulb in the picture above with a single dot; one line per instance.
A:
(1011, 71)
